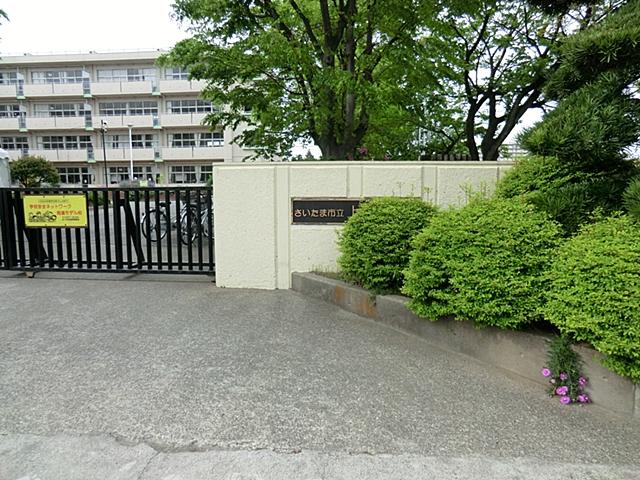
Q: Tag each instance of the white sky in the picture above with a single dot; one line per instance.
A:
(61, 26)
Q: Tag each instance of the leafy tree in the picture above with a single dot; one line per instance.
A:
(598, 115)
(505, 53)
(32, 171)
(329, 71)
(499, 57)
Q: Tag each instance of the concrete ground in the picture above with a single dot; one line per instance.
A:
(148, 378)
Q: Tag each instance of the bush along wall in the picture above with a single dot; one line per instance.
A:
(568, 196)
(594, 293)
(631, 199)
(486, 262)
(375, 243)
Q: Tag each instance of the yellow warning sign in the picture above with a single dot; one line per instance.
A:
(51, 211)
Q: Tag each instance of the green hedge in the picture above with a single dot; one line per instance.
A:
(631, 198)
(595, 291)
(376, 241)
(570, 197)
(535, 174)
(485, 262)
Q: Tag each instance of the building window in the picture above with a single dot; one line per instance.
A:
(190, 173)
(176, 74)
(183, 174)
(116, 142)
(189, 106)
(206, 171)
(8, 78)
(143, 173)
(127, 75)
(118, 174)
(75, 175)
(143, 108)
(144, 140)
(60, 110)
(68, 142)
(210, 139)
(14, 143)
(201, 139)
(57, 76)
(113, 108)
(128, 108)
(182, 140)
(9, 111)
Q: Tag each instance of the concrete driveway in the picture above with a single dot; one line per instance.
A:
(149, 378)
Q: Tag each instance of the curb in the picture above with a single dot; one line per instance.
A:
(520, 353)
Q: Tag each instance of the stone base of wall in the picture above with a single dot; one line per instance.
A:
(520, 353)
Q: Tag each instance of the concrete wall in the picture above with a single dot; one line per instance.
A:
(256, 245)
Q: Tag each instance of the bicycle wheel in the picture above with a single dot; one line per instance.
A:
(187, 236)
(151, 228)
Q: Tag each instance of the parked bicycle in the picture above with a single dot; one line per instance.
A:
(155, 219)
(192, 220)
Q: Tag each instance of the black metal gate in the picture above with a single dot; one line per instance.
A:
(154, 230)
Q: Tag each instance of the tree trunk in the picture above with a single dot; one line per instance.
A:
(332, 150)
(470, 130)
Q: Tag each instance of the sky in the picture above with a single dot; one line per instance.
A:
(65, 26)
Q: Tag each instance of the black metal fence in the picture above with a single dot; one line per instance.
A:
(155, 230)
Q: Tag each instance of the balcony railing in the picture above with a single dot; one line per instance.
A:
(61, 155)
(192, 153)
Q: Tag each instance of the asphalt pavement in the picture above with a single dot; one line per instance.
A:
(142, 377)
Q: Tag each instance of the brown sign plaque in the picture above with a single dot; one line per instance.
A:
(320, 211)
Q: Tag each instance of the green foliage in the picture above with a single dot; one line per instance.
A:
(569, 196)
(485, 262)
(598, 116)
(590, 129)
(534, 174)
(574, 204)
(376, 241)
(32, 171)
(320, 70)
(554, 6)
(594, 294)
(498, 57)
(631, 198)
(564, 365)
(608, 46)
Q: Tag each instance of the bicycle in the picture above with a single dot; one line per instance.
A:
(153, 220)
(156, 222)
(194, 220)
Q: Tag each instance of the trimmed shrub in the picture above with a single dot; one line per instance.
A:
(568, 197)
(485, 262)
(574, 205)
(631, 198)
(376, 241)
(534, 174)
(594, 294)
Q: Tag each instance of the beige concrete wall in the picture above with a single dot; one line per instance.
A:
(257, 246)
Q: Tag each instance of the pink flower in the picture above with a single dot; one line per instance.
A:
(563, 376)
(545, 372)
(582, 381)
(584, 398)
(553, 380)
(565, 400)
(562, 390)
